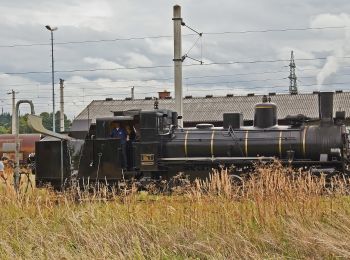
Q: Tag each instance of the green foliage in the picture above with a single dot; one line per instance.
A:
(4, 130)
(23, 125)
(47, 121)
(5, 123)
(6, 118)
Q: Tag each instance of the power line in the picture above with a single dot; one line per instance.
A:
(88, 70)
(273, 87)
(186, 84)
(169, 66)
(196, 83)
(277, 30)
(170, 36)
(158, 87)
(230, 82)
(38, 104)
(195, 89)
(260, 61)
(38, 83)
(87, 41)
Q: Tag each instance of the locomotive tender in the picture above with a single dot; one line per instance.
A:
(163, 149)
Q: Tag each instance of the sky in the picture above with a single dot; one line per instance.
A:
(104, 47)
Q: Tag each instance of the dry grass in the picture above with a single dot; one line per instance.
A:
(276, 213)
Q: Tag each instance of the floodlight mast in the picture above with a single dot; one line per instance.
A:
(52, 29)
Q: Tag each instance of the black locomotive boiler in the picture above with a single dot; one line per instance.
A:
(162, 148)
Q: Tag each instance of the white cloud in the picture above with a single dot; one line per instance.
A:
(284, 53)
(102, 63)
(137, 60)
(160, 46)
(338, 51)
(23, 22)
(330, 20)
(89, 13)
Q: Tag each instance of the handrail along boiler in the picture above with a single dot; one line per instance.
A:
(163, 149)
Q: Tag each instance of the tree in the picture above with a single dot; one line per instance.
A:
(6, 122)
(4, 130)
(23, 125)
(47, 121)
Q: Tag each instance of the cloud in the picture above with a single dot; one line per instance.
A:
(338, 51)
(284, 52)
(102, 63)
(331, 66)
(137, 60)
(23, 22)
(330, 20)
(90, 13)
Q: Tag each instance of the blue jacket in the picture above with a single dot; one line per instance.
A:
(119, 133)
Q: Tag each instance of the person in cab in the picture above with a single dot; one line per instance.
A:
(120, 133)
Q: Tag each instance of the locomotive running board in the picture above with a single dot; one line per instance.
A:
(36, 123)
(217, 159)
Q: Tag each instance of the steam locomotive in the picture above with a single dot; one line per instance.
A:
(162, 148)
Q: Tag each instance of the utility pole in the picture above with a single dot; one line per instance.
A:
(132, 93)
(52, 29)
(178, 62)
(293, 88)
(13, 125)
(61, 106)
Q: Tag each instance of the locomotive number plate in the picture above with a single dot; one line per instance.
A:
(147, 159)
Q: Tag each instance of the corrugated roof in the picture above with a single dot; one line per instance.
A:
(199, 109)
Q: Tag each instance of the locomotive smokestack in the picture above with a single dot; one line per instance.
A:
(325, 107)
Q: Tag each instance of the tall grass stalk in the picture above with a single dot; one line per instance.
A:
(274, 213)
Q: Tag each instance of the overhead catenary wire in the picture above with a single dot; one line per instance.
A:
(277, 30)
(169, 66)
(14, 45)
(225, 89)
(228, 88)
(164, 86)
(38, 83)
(97, 81)
(277, 86)
(157, 88)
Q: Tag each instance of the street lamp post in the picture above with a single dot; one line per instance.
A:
(52, 29)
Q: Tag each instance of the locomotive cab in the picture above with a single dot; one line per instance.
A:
(103, 156)
(107, 157)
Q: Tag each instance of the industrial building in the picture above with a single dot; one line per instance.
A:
(209, 109)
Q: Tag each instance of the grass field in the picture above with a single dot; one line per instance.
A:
(274, 214)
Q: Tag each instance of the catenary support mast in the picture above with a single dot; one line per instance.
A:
(178, 62)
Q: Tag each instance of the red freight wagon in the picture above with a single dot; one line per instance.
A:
(27, 145)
